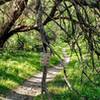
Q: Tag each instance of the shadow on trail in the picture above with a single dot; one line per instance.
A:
(13, 95)
(18, 96)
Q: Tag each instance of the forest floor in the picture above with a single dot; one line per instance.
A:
(32, 86)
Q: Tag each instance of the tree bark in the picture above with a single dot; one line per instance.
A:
(45, 42)
(16, 10)
(4, 1)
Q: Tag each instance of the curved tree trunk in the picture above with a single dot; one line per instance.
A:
(16, 10)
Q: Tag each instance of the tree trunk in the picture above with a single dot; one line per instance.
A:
(45, 42)
(1, 44)
(14, 13)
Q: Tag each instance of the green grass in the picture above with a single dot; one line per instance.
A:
(16, 66)
(59, 91)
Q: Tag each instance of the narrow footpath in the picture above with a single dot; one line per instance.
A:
(32, 86)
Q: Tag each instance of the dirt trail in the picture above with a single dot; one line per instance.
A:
(32, 86)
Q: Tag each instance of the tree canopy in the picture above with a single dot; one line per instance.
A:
(77, 20)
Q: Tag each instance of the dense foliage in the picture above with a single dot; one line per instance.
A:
(50, 25)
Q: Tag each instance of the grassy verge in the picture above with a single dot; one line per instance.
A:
(59, 91)
(16, 66)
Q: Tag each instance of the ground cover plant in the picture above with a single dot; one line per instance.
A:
(17, 66)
